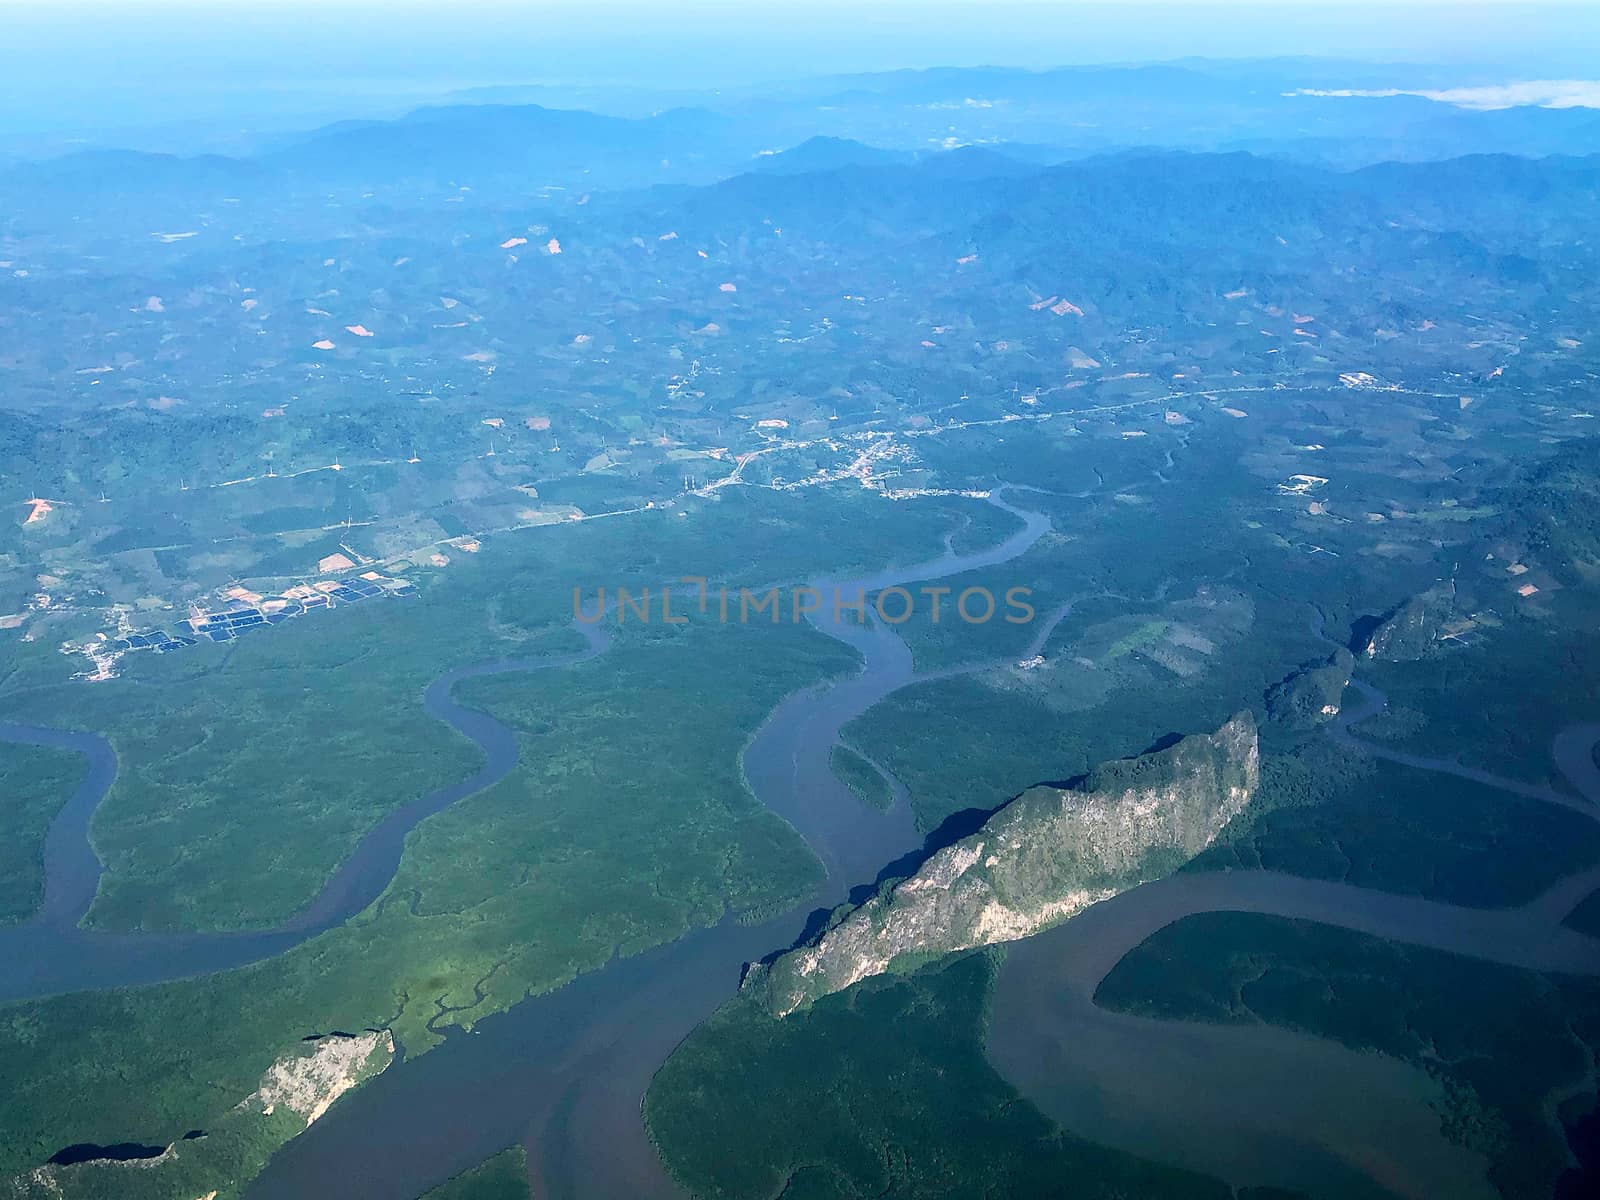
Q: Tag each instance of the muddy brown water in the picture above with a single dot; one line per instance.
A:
(1256, 1104)
(564, 1073)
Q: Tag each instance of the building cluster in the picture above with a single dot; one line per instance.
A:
(241, 612)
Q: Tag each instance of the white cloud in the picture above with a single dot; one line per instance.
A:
(1546, 93)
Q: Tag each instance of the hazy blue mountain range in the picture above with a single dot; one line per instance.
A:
(619, 135)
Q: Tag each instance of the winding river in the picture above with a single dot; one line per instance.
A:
(1239, 1102)
(52, 953)
(563, 1073)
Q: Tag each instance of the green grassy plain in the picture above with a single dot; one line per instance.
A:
(880, 1090)
(503, 1177)
(1498, 704)
(1398, 829)
(626, 824)
(1213, 607)
(214, 823)
(861, 777)
(35, 781)
(976, 740)
(1127, 539)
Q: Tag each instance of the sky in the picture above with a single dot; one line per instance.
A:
(101, 64)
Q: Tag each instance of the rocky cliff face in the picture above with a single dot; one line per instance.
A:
(1411, 632)
(296, 1090)
(1047, 855)
(310, 1080)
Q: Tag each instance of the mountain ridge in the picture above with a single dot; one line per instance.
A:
(1038, 860)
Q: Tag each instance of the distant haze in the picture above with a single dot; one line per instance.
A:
(77, 64)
